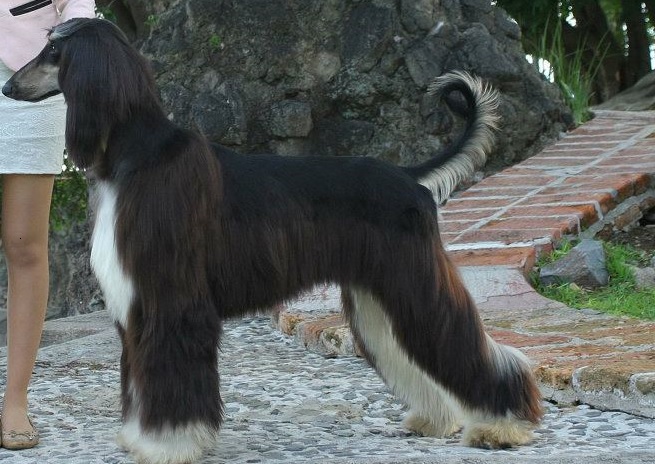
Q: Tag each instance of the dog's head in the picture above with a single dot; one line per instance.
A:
(103, 78)
(42, 76)
(37, 80)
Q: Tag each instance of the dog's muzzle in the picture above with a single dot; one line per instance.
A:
(7, 88)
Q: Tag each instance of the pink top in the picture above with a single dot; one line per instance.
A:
(23, 35)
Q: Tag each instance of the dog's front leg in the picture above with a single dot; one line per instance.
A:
(126, 401)
(171, 403)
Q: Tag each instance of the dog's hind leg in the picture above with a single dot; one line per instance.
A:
(172, 405)
(427, 342)
(433, 411)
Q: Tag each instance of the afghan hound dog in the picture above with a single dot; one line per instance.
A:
(188, 234)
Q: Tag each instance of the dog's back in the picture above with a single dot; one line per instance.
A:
(325, 209)
(361, 187)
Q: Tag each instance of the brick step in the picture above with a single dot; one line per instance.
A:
(581, 182)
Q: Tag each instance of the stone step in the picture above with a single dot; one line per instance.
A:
(57, 331)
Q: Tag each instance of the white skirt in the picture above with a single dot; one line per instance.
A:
(31, 134)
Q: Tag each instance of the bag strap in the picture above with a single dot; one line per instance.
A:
(29, 7)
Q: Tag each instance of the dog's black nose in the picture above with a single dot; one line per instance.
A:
(6, 89)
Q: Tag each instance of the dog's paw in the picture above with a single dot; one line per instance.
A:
(498, 434)
(178, 445)
(423, 426)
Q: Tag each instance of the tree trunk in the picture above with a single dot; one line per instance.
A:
(638, 61)
(603, 54)
(131, 16)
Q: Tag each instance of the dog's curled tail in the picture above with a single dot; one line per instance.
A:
(448, 168)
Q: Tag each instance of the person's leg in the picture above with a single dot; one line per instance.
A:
(25, 219)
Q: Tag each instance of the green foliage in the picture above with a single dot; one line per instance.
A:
(69, 199)
(562, 250)
(578, 38)
(534, 17)
(152, 21)
(569, 71)
(613, 13)
(215, 42)
(620, 297)
(540, 17)
(106, 12)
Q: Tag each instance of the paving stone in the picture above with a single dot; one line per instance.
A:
(522, 258)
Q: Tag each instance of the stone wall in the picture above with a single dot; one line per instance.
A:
(341, 77)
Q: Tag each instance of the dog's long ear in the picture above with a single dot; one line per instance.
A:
(105, 81)
(83, 83)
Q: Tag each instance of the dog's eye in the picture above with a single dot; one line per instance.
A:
(53, 51)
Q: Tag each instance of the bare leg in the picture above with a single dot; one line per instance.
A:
(25, 218)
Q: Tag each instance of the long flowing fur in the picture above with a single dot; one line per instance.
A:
(443, 173)
(188, 234)
(111, 95)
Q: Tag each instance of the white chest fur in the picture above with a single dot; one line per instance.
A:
(116, 285)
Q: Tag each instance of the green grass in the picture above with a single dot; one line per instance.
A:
(619, 297)
(569, 71)
(69, 199)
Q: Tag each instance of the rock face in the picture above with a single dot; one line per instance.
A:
(340, 77)
(73, 286)
(639, 97)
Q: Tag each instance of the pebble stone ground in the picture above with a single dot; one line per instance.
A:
(285, 404)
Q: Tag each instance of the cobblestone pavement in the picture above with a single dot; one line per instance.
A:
(289, 405)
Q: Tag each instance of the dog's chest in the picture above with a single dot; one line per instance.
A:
(106, 263)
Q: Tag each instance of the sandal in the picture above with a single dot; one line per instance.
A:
(13, 440)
